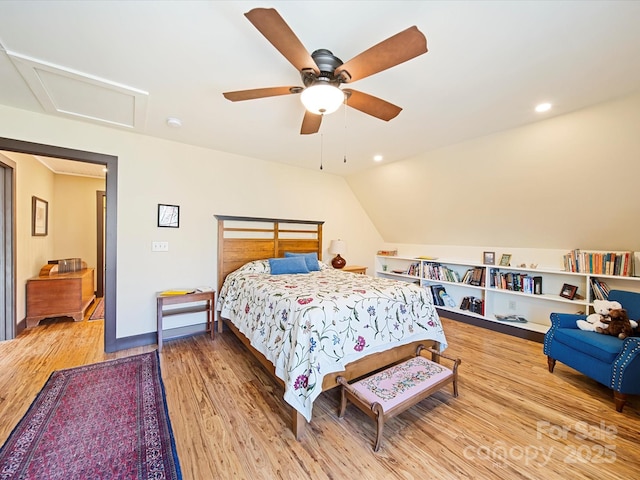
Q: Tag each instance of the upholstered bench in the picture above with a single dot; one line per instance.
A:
(393, 390)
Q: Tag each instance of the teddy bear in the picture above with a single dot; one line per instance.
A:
(618, 324)
(601, 310)
(595, 320)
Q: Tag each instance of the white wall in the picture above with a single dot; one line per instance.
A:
(568, 182)
(75, 219)
(204, 183)
(32, 179)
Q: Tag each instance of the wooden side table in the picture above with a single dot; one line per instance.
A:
(206, 303)
(355, 269)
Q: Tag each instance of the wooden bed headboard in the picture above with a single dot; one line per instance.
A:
(244, 239)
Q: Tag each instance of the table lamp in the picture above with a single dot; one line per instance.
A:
(338, 247)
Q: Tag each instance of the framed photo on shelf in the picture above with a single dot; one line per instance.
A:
(39, 217)
(505, 261)
(489, 258)
(568, 291)
(168, 216)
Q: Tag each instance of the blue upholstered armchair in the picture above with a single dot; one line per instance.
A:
(604, 358)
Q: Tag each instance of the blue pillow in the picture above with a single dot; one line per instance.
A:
(311, 259)
(280, 266)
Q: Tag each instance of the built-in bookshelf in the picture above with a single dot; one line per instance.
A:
(494, 292)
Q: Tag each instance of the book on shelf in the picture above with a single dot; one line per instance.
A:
(475, 276)
(599, 289)
(413, 269)
(438, 292)
(515, 281)
(473, 304)
(436, 271)
(477, 306)
(466, 303)
(602, 263)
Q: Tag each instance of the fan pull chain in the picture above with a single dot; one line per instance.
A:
(346, 98)
(321, 142)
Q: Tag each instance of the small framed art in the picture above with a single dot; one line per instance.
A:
(39, 217)
(568, 291)
(168, 216)
(505, 261)
(489, 258)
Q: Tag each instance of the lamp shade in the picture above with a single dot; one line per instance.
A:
(322, 99)
(338, 247)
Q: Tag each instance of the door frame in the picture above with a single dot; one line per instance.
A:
(100, 208)
(8, 233)
(111, 226)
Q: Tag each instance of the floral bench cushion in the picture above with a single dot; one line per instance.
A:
(396, 384)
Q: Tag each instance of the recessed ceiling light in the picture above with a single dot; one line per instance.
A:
(377, 158)
(174, 122)
(543, 107)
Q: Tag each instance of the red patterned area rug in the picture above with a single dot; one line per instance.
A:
(103, 421)
(98, 312)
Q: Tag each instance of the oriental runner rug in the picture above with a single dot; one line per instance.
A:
(107, 420)
(98, 312)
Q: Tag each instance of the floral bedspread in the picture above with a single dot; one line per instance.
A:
(309, 325)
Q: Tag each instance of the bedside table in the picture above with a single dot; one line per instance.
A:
(198, 302)
(355, 269)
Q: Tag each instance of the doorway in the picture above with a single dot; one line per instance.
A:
(110, 227)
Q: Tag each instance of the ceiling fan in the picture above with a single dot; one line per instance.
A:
(323, 73)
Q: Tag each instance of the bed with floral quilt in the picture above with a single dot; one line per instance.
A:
(313, 326)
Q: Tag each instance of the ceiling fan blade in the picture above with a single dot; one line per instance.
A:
(258, 93)
(374, 106)
(393, 51)
(310, 123)
(270, 24)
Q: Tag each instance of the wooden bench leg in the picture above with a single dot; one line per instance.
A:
(376, 407)
(343, 402)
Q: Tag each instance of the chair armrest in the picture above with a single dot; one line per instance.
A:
(560, 320)
(566, 320)
(625, 370)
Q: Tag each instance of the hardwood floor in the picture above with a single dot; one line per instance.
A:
(513, 419)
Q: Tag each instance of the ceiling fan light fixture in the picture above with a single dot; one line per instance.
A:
(322, 99)
(543, 107)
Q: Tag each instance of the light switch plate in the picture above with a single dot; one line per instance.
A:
(159, 246)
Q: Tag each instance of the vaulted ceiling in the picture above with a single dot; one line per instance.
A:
(131, 65)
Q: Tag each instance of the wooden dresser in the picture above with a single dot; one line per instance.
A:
(53, 294)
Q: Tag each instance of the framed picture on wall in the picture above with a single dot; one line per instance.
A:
(39, 217)
(168, 216)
